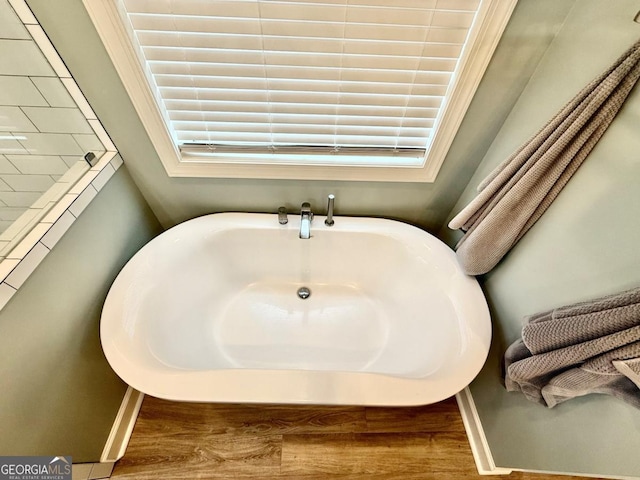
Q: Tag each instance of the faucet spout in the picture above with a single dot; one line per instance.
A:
(305, 220)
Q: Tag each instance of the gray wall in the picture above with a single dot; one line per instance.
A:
(59, 395)
(176, 199)
(585, 245)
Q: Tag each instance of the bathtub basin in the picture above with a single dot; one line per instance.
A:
(208, 311)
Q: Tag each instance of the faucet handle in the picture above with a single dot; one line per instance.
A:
(329, 220)
(282, 216)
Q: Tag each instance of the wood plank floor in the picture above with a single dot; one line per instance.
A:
(191, 441)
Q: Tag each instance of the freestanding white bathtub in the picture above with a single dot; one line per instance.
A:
(209, 312)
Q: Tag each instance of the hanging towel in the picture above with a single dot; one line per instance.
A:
(589, 347)
(514, 196)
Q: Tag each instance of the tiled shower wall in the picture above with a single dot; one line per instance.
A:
(43, 133)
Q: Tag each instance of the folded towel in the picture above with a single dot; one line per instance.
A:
(589, 347)
(630, 369)
(581, 322)
(598, 375)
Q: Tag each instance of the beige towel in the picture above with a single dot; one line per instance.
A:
(589, 347)
(514, 196)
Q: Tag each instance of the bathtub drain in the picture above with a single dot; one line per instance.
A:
(304, 293)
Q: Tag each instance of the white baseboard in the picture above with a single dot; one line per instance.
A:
(91, 471)
(122, 426)
(480, 446)
(477, 440)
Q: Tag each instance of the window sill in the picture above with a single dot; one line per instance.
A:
(222, 169)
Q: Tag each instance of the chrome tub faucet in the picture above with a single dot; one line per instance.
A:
(305, 220)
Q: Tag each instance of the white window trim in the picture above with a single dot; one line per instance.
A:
(492, 18)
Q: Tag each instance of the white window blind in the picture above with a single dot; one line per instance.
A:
(365, 78)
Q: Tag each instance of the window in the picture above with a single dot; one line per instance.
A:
(311, 89)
